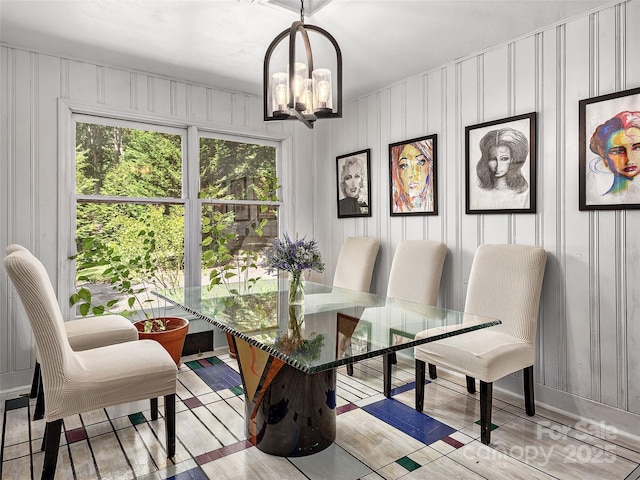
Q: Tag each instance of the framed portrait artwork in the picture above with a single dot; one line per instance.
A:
(354, 184)
(500, 165)
(609, 151)
(413, 176)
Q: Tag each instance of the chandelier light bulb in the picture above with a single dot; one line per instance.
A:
(300, 74)
(322, 87)
(280, 93)
(306, 98)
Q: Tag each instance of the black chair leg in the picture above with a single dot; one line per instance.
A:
(35, 381)
(420, 379)
(471, 384)
(38, 413)
(170, 423)
(386, 375)
(433, 373)
(394, 358)
(486, 397)
(154, 408)
(529, 400)
(51, 445)
(350, 369)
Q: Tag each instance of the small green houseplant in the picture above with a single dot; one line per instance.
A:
(130, 280)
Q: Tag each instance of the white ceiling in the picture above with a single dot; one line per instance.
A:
(223, 42)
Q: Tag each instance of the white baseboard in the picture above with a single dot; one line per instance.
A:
(19, 381)
(626, 423)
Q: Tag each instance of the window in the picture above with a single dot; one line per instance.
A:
(134, 211)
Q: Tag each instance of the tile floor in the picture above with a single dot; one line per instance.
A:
(377, 438)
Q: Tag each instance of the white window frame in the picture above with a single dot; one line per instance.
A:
(69, 113)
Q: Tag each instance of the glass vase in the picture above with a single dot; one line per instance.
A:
(296, 304)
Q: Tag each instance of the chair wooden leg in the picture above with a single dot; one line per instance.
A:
(35, 381)
(38, 413)
(51, 445)
(170, 423)
(350, 369)
(386, 375)
(471, 384)
(394, 358)
(486, 397)
(529, 400)
(154, 408)
(420, 379)
(433, 373)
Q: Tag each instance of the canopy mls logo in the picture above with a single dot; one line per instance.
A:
(583, 430)
(578, 445)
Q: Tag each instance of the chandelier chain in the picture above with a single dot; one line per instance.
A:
(302, 11)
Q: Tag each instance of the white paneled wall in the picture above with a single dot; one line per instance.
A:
(37, 92)
(589, 332)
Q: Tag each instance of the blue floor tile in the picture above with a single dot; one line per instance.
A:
(406, 387)
(415, 424)
(193, 474)
(219, 377)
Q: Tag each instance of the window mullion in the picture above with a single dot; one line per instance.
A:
(193, 209)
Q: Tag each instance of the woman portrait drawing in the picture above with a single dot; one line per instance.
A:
(353, 185)
(497, 177)
(413, 176)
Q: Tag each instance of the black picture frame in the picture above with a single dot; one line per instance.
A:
(606, 182)
(509, 186)
(421, 198)
(348, 204)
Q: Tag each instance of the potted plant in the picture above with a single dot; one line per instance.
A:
(130, 278)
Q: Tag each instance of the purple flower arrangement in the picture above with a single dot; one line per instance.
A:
(293, 256)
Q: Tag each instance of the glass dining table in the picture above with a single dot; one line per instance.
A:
(290, 389)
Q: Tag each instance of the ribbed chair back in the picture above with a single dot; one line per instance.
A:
(416, 271)
(505, 283)
(354, 268)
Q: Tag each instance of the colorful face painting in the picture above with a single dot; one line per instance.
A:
(617, 144)
(412, 177)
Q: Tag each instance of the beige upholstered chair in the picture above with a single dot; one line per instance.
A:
(354, 269)
(416, 270)
(76, 382)
(83, 334)
(415, 276)
(505, 283)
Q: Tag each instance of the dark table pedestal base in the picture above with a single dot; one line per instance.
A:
(287, 413)
(297, 415)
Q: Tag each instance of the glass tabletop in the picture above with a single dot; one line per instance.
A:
(340, 325)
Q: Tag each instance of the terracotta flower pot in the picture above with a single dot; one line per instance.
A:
(232, 347)
(172, 339)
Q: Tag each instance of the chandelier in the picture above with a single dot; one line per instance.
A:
(298, 90)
